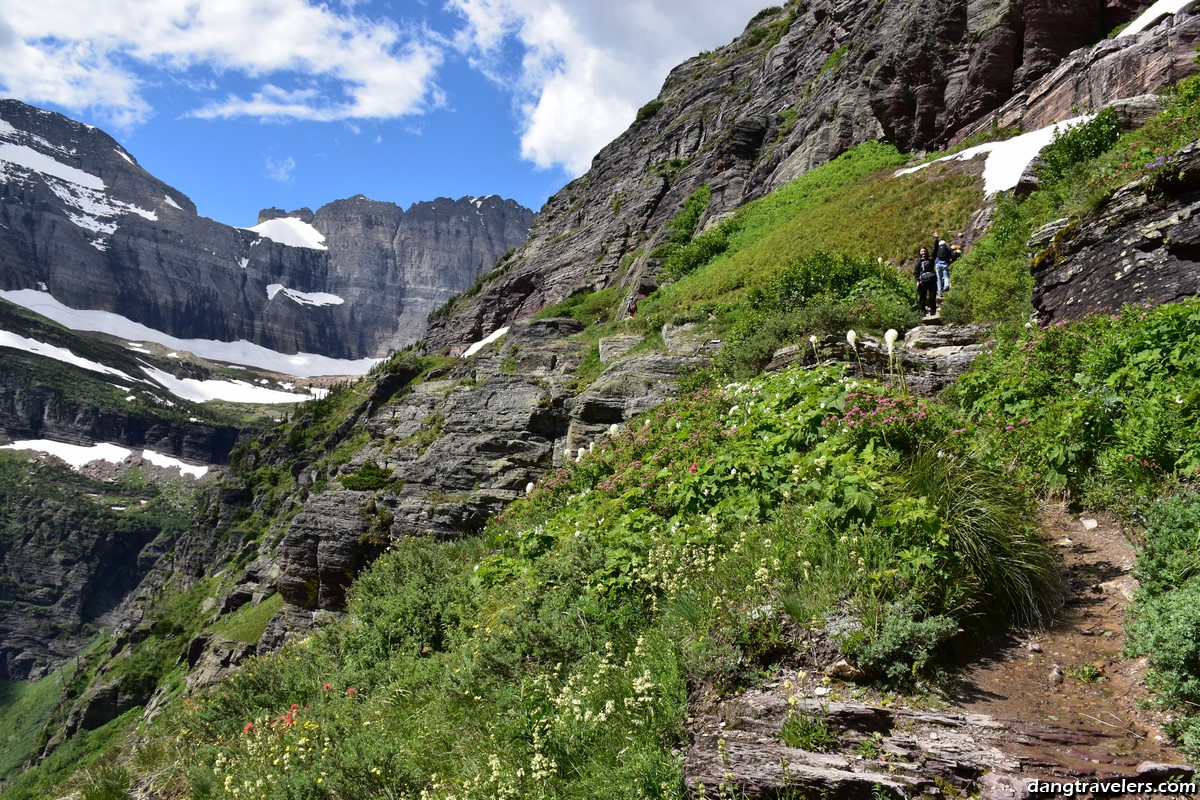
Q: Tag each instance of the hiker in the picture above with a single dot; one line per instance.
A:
(942, 256)
(925, 274)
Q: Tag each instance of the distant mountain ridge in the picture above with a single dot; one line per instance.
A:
(80, 219)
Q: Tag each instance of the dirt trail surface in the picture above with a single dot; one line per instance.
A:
(1016, 718)
(1073, 675)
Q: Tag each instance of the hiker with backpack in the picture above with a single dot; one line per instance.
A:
(942, 256)
(925, 274)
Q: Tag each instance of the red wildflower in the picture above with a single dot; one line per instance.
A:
(693, 467)
(326, 687)
(352, 691)
(248, 727)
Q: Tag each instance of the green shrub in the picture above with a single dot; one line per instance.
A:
(1079, 144)
(369, 477)
(1102, 409)
(647, 111)
(1170, 553)
(683, 227)
(901, 643)
(697, 252)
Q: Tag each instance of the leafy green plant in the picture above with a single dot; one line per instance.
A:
(1086, 673)
(1164, 620)
(1101, 409)
(807, 730)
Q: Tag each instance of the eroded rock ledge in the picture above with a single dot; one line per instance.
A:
(897, 752)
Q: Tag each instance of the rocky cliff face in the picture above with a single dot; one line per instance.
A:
(1140, 246)
(1090, 78)
(80, 219)
(801, 85)
(65, 563)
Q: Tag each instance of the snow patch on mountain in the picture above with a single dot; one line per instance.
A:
(484, 342)
(93, 211)
(300, 365)
(232, 391)
(304, 298)
(166, 462)
(292, 232)
(62, 354)
(26, 157)
(1008, 159)
(77, 456)
(1152, 15)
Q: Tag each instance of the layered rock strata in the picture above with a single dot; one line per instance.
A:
(1140, 246)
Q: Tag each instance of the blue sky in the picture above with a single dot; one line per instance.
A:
(247, 104)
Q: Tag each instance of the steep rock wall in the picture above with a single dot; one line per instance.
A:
(798, 87)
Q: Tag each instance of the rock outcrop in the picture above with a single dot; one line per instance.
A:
(80, 219)
(738, 749)
(1139, 246)
(459, 447)
(1115, 69)
(927, 360)
(799, 86)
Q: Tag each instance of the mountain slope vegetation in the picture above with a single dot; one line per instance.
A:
(684, 554)
(758, 520)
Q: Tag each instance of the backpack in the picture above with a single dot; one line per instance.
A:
(943, 252)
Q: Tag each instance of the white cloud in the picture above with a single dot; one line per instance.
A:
(82, 54)
(280, 170)
(586, 66)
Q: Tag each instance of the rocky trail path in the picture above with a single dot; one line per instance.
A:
(1074, 675)
(1056, 705)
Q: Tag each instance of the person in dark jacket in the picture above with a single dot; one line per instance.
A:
(925, 274)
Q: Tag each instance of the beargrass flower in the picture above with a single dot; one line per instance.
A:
(852, 338)
(890, 338)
